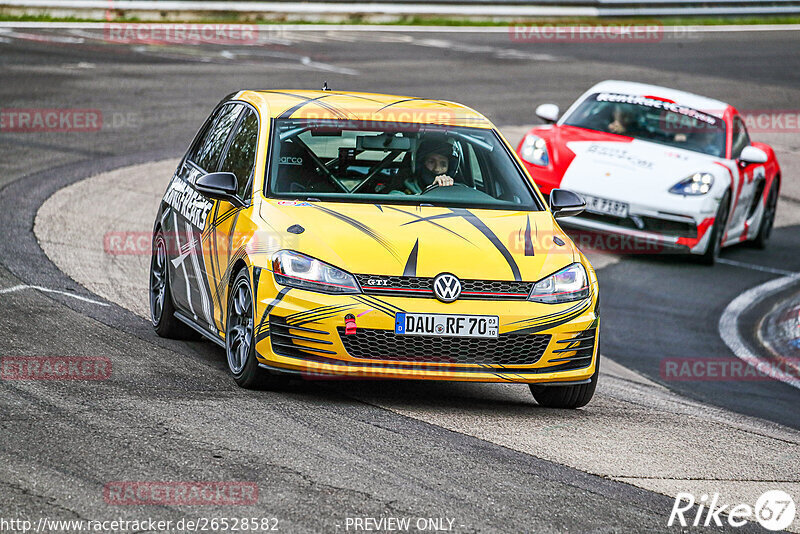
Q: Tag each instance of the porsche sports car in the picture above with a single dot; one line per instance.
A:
(674, 170)
(331, 234)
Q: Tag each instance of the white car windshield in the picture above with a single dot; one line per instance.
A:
(651, 119)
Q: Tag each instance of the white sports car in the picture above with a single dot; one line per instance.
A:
(663, 167)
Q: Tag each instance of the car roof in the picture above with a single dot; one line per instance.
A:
(343, 105)
(700, 103)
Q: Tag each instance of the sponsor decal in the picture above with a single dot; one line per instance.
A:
(622, 154)
(657, 104)
(289, 160)
(295, 203)
(190, 204)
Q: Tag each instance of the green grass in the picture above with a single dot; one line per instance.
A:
(436, 21)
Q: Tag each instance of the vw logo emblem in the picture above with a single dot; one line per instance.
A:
(446, 287)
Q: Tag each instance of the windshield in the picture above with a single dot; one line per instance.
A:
(651, 119)
(361, 161)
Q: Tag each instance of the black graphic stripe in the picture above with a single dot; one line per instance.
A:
(381, 308)
(429, 220)
(486, 231)
(375, 301)
(330, 312)
(263, 325)
(529, 250)
(416, 99)
(385, 243)
(322, 317)
(318, 100)
(411, 264)
(312, 311)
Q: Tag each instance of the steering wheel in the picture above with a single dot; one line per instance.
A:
(434, 185)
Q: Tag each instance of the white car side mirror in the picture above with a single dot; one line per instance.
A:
(751, 154)
(547, 112)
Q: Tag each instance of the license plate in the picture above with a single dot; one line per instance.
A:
(606, 206)
(436, 324)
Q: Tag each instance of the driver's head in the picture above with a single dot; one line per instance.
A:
(622, 115)
(434, 155)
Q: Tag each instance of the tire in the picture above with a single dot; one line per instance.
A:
(768, 219)
(162, 309)
(709, 257)
(569, 397)
(240, 349)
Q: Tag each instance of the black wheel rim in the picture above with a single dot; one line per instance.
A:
(239, 335)
(158, 280)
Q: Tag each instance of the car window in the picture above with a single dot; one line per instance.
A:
(366, 161)
(241, 156)
(740, 138)
(209, 149)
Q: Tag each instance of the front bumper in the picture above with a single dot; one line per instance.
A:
(623, 236)
(302, 332)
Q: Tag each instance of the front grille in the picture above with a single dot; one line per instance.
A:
(417, 286)
(385, 345)
(650, 224)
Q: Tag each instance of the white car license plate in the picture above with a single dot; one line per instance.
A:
(435, 324)
(606, 206)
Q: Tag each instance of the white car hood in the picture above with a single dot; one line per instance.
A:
(630, 170)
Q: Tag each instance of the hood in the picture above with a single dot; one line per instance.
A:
(423, 241)
(598, 162)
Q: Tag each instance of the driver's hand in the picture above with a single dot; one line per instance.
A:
(616, 127)
(443, 179)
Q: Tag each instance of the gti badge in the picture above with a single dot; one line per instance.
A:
(446, 287)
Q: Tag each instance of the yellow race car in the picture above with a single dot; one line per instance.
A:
(329, 234)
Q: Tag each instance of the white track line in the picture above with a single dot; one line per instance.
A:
(755, 267)
(16, 288)
(729, 330)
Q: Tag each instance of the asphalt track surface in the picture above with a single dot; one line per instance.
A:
(319, 454)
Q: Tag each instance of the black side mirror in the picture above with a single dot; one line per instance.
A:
(564, 203)
(220, 186)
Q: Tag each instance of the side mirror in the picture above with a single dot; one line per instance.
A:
(564, 203)
(220, 186)
(751, 154)
(547, 112)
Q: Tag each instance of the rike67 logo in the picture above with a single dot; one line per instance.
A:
(774, 510)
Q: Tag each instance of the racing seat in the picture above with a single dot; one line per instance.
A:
(297, 172)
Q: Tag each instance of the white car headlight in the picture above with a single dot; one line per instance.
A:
(304, 272)
(534, 150)
(697, 184)
(569, 284)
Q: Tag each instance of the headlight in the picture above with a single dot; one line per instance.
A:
(298, 270)
(569, 284)
(534, 150)
(697, 184)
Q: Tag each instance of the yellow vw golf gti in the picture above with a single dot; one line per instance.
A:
(355, 235)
